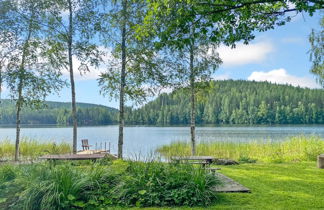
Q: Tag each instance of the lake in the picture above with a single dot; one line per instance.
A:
(144, 140)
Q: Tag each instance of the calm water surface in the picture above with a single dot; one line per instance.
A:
(144, 140)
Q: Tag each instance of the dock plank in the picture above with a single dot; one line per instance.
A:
(74, 157)
(193, 158)
(229, 185)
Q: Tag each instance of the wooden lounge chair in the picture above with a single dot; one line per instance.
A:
(85, 144)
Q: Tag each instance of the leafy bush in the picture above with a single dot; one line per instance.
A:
(119, 183)
(159, 184)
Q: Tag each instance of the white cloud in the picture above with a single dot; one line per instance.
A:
(3, 89)
(91, 75)
(245, 54)
(94, 72)
(280, 76)
(221, 77)
(292, 40)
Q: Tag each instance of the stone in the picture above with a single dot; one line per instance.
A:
(225, 162)
(320, 161)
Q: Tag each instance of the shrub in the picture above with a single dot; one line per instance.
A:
(120, 183)
(160, 184)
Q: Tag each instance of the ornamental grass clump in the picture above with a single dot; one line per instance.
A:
(7, 173)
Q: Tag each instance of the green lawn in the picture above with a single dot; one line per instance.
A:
(274, 186)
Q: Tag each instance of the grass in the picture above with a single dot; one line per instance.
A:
(294, 149)
(286, 186)
(32, 149)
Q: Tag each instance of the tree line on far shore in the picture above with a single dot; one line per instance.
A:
(58, 113)
(236, 102)
(223, 102)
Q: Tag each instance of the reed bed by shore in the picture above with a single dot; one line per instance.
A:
(31, 149)
(299, 148)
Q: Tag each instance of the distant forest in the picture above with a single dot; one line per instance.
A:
(59, 113)
(224, 102)
(236, 102)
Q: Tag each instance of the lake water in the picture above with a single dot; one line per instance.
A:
(144, 140)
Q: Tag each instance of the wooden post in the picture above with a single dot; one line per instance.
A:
(320, 161)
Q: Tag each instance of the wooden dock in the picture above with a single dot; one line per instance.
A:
(77, 156)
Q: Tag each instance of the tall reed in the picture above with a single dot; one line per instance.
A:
(31, 149)
(299, 148)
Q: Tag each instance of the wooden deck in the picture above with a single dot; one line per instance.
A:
(76, 156)
(229, 185)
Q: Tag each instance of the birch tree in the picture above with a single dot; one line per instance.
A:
(71, 29)
(134, 68)
(316, 40)
(28, 71)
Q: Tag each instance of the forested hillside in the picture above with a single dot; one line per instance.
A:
(236, 102)
(58, 113)
(224, 102)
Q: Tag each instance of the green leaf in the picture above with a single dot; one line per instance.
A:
(2, 200)
(142, 192)
(138, 203)
(70, 197)
(79, 204)
(92, 202)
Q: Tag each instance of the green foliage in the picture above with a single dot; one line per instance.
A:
(7, 173)
(316, 40)
(235, 102)
(293, 149)
(32, 149)
(160, 184)
(121, 183)
(57, 187)
(221, 21)
(29, 73)
(133, 65)
(58, 113)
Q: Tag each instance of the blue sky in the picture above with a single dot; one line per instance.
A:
(278, 56)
